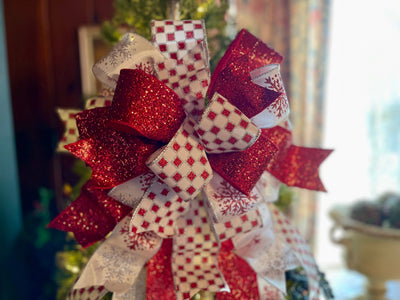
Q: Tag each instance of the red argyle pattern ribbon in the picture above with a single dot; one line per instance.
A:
(183, 163)
(195, 252)
(175, 38)
(239, 224)
(158, 210)
(224, 128)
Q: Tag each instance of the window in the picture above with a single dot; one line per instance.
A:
(362, 112)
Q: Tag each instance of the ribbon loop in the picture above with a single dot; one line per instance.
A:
(183, 163)
(158, 211)
(270, 78)
(175, 38)
(223, 128)
(138, 111)
(194, 259)
(131, 52)
(122, 248)
(244, 168)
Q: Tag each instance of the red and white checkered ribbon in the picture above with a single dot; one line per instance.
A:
(175, 38)
(239, 225)
(195, 251)
(189, 78)
(71, 133)
(182, 164)
(186, 65)
(91, 292)
(224, 128)
(158, 210)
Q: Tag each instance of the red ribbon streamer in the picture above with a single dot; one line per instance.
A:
(160, 284)
(240, 277)
(295, 166)
(100, 215)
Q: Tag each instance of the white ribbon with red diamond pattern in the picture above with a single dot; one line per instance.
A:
(176, 38)
(183, 163)
(186, 67)
(91, 292)
(158, 210)
(224, 128)
(71, 133)
(195, 253)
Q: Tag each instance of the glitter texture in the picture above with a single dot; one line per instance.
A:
(91, 216)
(293, 165)
(160, 284)
(143, 105)
(239, 276)
(246, 53)
(114, 157)
(243, 169)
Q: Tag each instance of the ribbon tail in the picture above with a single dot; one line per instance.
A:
(158, 210)
(137, 290)
(264, 251)
(89, 232)
(89, 293)
(160, 284)
(116, 264)
(240, 277)
(301, 251)
(195, 252)
(300, 167)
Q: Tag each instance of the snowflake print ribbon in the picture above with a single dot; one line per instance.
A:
(187, 188)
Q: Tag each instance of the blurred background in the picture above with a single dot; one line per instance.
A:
(341, 72)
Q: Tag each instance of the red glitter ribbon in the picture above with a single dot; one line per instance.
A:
(144, 106)
(246, 53)
(293, 165)
(101, 214)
